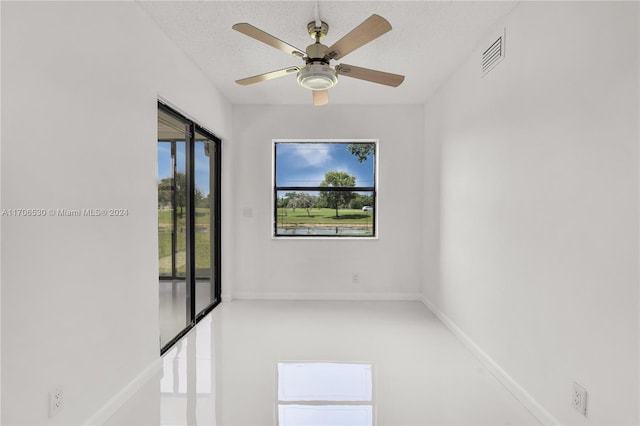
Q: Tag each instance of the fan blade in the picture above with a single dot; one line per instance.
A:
(258, 34)
(374, 76)
(372, 28)
(267, 76)
(320, 97)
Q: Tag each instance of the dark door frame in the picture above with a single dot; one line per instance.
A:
(191, 128)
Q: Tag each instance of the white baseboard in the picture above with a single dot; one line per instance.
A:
(117, 401)
(390, 297)
(507, 381)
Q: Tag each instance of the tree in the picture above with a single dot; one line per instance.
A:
(359, 201)
(336, 199)
(283, 201)
(203, 201)
(303, 201)
(362, 150)
(165, 192)
(166, 186)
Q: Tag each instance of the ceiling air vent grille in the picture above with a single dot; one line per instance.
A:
(493, 54)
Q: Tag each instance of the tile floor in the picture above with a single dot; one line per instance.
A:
(321, 363)
(173, 305)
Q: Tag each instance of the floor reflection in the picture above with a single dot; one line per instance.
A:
(187, 386)
(173, 306)
(325, 393)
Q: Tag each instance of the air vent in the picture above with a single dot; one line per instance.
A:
(493, 54)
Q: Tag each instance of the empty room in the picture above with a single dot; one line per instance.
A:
(320, 213)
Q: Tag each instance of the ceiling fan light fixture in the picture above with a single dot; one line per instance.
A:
(317, 77)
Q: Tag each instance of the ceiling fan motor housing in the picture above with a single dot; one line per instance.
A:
(315, 53)
(317, 33)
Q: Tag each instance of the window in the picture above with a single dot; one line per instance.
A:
(324, 188)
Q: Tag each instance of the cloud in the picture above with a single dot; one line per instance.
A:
(314, 155)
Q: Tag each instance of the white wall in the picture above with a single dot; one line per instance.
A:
(539, 205)
(0, 227)
(389, 267)
(80, 82)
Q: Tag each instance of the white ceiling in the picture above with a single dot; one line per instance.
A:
(428, 41)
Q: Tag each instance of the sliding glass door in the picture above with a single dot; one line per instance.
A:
(188, 223)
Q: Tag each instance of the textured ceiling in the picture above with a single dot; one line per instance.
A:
(428, 41)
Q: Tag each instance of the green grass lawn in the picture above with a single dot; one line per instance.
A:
(287, 216)
(202, 217)
(203, 243)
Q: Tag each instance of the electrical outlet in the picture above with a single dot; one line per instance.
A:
(579, 399)
(355, 277)
(56, 402)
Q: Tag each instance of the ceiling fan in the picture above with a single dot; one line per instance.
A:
(317, 74)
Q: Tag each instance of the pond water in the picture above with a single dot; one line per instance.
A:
(334, 230)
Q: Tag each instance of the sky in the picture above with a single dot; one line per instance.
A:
(299, 164)
(305, 164)
(201, 164)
